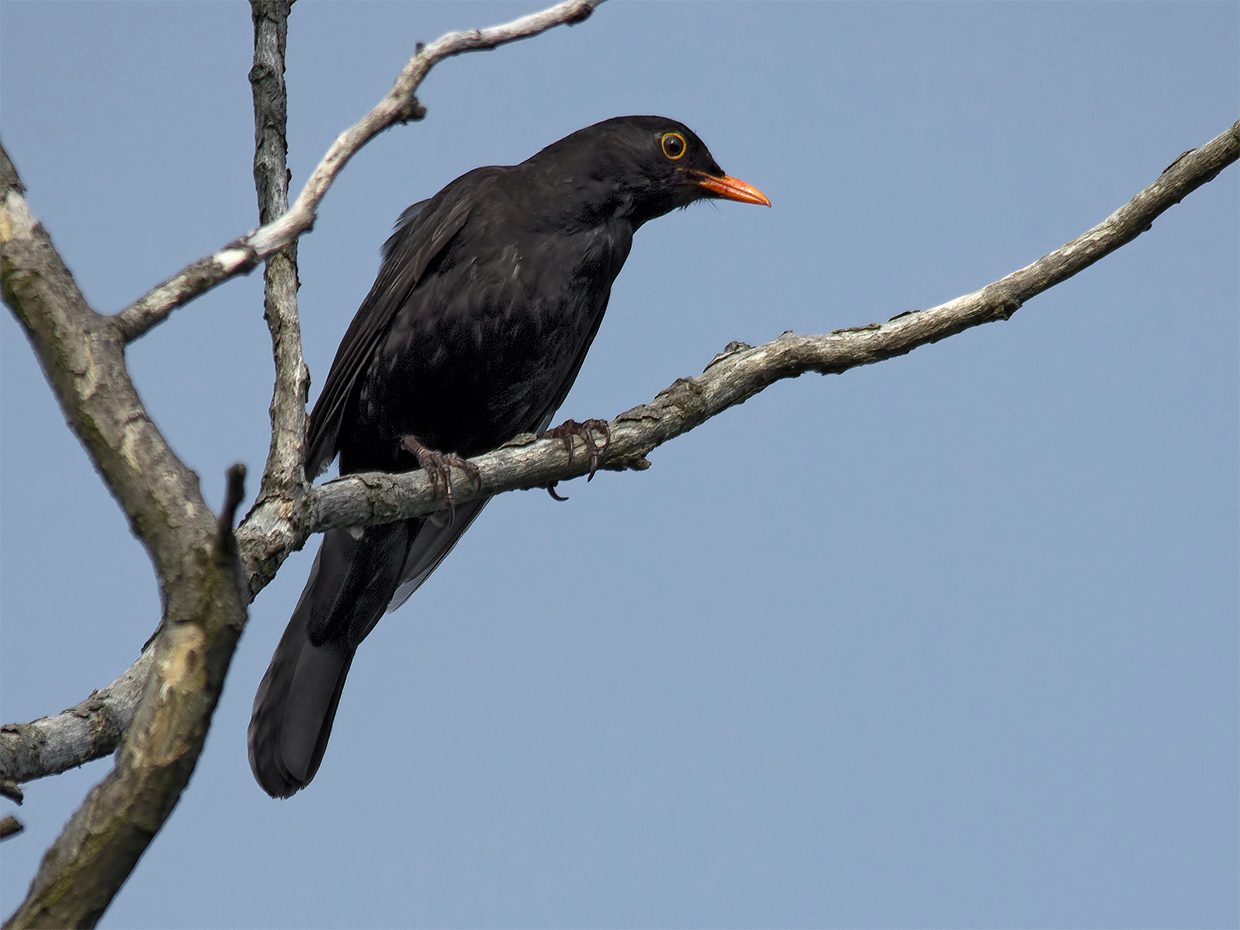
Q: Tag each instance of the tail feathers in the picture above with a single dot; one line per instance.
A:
(294, 710)
(429, 546)
(351, 583)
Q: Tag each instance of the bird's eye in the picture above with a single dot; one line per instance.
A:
(673, 145)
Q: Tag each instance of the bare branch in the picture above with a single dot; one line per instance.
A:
(399, 106)
(83, 359)
(284, 486)
(93, 728)
(270, 107)
(82, 356)
(88, 730)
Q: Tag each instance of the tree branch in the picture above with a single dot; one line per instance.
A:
(88, 730)
(742, 371)
(284, 486)
(103, 841)
(83, 359)
(399, 106)
(82, 355)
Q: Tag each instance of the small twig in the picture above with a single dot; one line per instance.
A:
(10, 826)
(400, 105)
(233, 496)
(10, 790)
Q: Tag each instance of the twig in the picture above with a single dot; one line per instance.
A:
(234, 494)
(399, 106)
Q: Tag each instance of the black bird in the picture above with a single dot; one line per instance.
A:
(487, 299)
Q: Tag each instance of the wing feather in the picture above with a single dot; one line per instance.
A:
(423, 232)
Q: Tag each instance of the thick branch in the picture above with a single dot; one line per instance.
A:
(399, 106)
(103, 841)
(82, 356)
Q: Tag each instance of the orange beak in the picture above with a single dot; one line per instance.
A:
(730, 188)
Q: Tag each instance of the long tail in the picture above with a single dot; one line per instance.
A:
(350, 585)
(354, 579)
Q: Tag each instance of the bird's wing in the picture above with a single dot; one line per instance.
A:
(422, 233)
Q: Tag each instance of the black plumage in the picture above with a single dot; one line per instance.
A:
(487, 299)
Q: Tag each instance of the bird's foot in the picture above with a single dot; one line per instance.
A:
(586, 430)
(438, 467)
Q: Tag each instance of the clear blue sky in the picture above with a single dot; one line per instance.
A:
(950, 641)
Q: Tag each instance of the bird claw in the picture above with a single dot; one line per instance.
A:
(585, 429)
(554, 496)
(438, 467)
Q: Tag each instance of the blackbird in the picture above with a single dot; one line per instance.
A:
(487, 299)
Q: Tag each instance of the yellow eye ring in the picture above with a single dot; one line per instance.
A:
(674, 145)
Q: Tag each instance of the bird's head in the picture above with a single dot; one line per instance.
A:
(643, 167)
